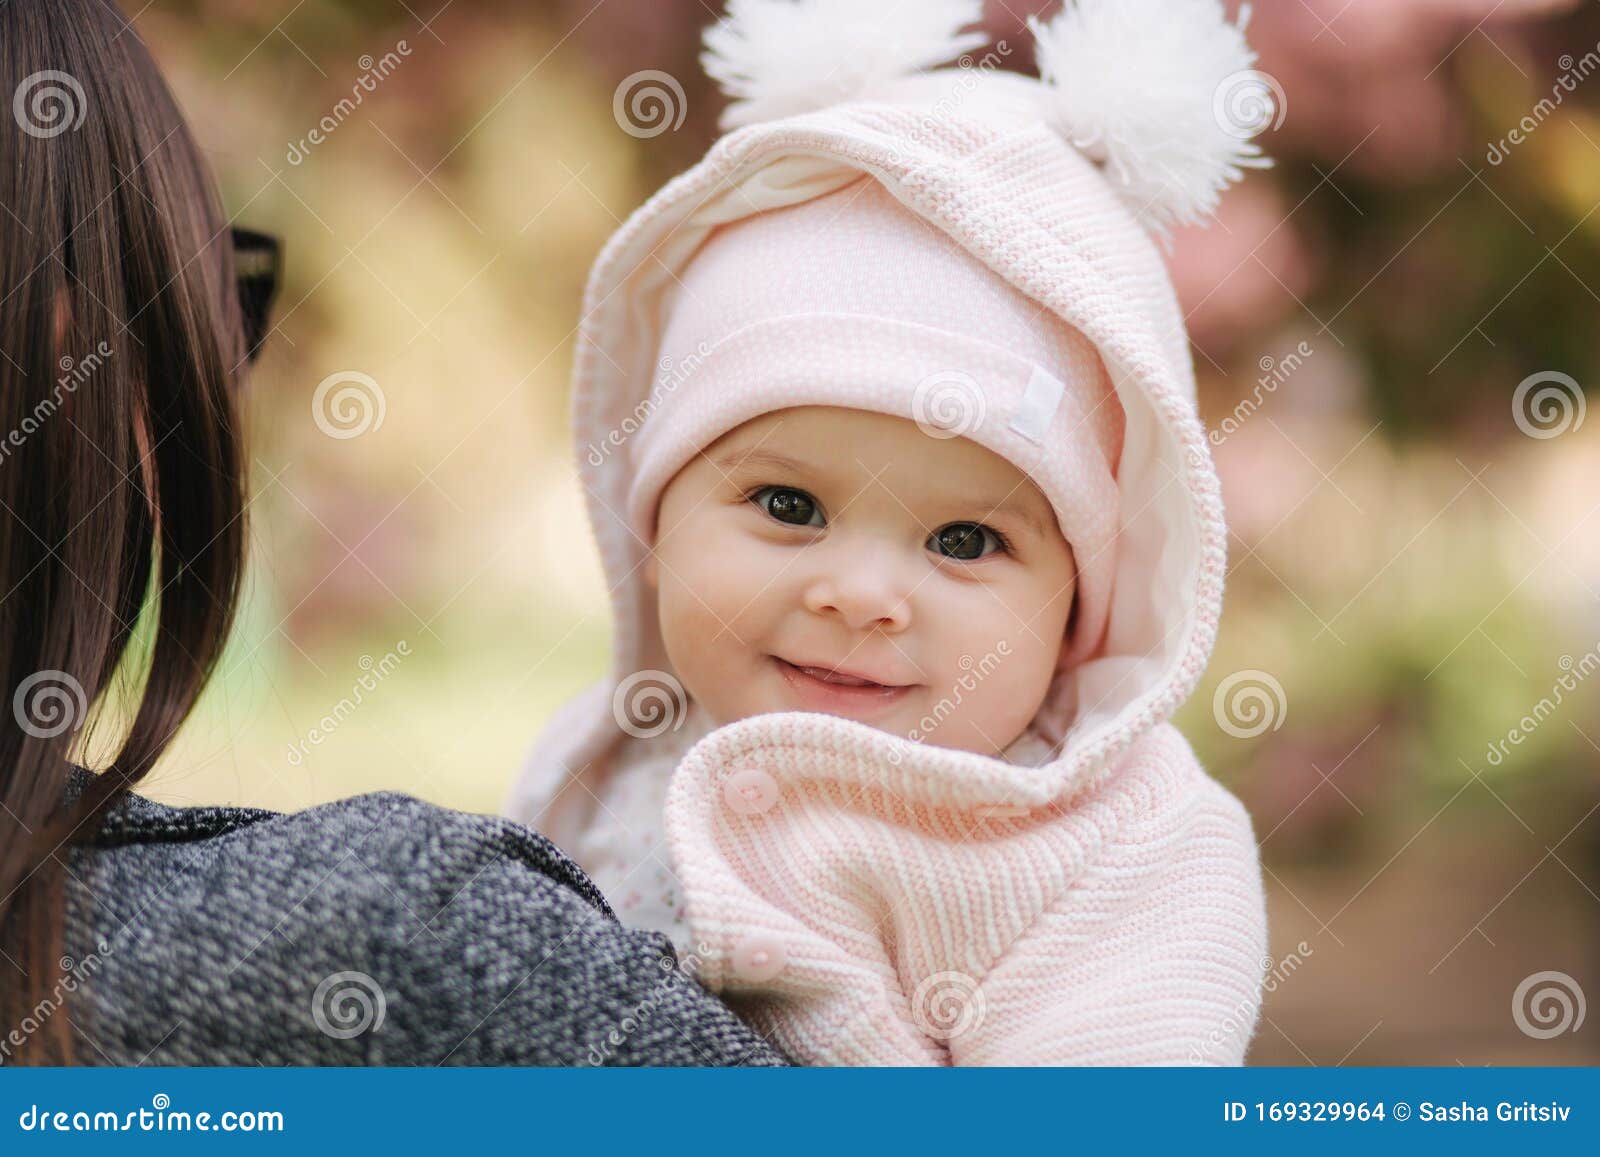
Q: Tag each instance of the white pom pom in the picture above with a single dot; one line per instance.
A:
(1162, 93)
(777, 58)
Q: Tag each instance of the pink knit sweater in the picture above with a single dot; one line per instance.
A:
(1090, 897)
(865, 916)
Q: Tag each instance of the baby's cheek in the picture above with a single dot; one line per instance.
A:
(742, 569)
(706, 600)
(690, 613)
(1002, 705)
(1012, 669)
(1018, 670)
(695, 643)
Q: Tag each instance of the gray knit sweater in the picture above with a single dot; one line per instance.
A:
(377, 930)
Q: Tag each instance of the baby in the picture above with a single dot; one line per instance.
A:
(914, 546)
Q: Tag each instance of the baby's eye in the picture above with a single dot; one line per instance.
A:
(786, 504)
(964, 540)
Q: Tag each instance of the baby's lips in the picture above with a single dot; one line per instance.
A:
(750, 791)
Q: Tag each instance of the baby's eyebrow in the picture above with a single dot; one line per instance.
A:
(1024, 511)
(755, 456)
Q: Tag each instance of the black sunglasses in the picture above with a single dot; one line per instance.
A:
(258, 264)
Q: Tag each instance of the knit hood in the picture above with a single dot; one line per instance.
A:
(976, 154)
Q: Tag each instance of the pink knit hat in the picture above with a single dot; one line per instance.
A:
(851, 300)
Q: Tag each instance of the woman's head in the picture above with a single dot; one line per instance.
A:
(121, 343)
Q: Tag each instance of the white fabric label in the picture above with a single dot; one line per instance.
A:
(1038, 405)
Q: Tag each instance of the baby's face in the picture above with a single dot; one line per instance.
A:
(818, 541)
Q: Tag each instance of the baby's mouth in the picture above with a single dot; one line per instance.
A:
(836, 677)
(827, 689)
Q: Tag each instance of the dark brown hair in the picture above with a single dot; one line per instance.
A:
(121, 488)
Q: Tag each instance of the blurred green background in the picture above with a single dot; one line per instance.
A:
(1415, 557)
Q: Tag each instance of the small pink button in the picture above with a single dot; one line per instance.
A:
(759, 957)
(750, 791)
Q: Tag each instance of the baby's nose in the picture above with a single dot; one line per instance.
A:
(864, 595)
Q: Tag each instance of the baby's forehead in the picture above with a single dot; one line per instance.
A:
(844, 434)
(841, 428)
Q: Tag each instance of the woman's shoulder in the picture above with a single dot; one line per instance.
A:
(403, 842)
(378, 929)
